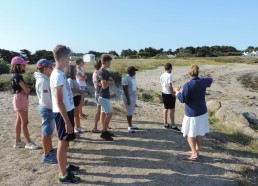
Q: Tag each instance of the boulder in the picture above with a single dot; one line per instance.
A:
(251, 118)
(213, 106)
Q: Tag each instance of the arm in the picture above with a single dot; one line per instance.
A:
(25, 89)
(82, 77)
(182, 96)
(125, 88)
(171, 89)
(62, 110)
(104, 84)
(111, 81)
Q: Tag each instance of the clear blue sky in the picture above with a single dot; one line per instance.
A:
(105, 25)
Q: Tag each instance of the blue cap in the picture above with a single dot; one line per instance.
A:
(44, 62)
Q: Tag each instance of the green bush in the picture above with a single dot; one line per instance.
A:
(4, 67)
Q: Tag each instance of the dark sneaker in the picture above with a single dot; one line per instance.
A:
(69, 178)
(106, 136)
(134, 127)
(175, 129)
(110, 134)
(72, 168)
(167, 126)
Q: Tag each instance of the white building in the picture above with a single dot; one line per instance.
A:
(88, 58)
(254, 53)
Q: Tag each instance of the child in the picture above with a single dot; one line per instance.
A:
(42, 86)
(74, 85)
(95, 83)
(80, 78)
(62, 100)
(21, 103)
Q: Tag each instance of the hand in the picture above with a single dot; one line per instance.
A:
(68, 128)
(177, 89)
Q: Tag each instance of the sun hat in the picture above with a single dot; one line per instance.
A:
(44, 62)
(18, 61)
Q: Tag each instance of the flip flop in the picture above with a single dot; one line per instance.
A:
(95, 131)
(192, 158)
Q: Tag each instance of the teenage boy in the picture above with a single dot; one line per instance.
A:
(168, 97)
(42, 86)
(104, 81)
(129, 96)
(63, 105)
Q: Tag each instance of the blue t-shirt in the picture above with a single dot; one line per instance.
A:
(193, 95)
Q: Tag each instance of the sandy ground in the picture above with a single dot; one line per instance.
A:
(151, 156)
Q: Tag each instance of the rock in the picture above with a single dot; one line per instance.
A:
(250, 97)
(251, 118)
(213, 106)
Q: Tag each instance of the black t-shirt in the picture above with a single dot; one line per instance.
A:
(103, 74)
(16, 79)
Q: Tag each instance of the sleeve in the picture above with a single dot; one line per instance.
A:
(17, 79)
(70, 83)
(102, 75)
(170, 80)
(60, 81)
(184, 95)
(125, 81)
(208, 81)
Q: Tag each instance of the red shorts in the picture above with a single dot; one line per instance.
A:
(20, 102)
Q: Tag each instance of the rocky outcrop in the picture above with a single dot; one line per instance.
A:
(213, 106)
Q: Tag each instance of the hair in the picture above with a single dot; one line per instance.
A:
(70, 72)
(61, 51)
(97, 64)
(194, 71)
(105, 58)
(168, 66)
(17, 69)
(78, 61)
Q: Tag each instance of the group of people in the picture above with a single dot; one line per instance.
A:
(61, 89)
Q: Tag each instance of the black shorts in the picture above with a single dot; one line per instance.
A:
(77, 100)
(169, 101)
(60, 126)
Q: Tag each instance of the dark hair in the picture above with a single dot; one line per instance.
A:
(97, 64)
(168, 66)
(105, 58)
(78, 61)
(70, 72)
(61, 51)
(17, 69)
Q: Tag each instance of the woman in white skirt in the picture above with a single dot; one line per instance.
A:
(195, 122)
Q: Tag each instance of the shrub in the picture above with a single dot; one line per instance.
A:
(4, 67)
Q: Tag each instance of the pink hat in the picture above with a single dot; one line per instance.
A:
(18, 61)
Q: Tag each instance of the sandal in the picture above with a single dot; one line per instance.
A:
(192, 158)
(95, 131)
(83, 116)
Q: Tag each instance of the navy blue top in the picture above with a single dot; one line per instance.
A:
(193, 95)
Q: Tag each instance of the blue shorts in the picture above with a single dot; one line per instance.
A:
(60, 126)
(105, 105)
(48, 121)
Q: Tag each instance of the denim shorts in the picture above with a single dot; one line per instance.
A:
(48, 121)
(105, 105)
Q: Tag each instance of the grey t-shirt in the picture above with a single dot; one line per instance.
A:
(131, 82)
(103, 74)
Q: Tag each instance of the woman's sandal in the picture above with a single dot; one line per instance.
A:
(192, 158)
(95, 131)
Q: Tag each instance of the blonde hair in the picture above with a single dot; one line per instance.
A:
(194, 71)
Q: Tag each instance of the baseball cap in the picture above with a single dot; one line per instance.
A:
(17, 60)
(44, 62)
(131, 69)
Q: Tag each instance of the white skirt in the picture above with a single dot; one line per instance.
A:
(195, 126)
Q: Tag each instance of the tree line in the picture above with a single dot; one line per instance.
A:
(204, 51)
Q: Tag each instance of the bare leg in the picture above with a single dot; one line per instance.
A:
(47, 144)
(165, 116)
(18, 128)
(80, 106)
(97, 116)
(172, 116)
(192, 144)
(24, 122)
(105, 120)
(77, 117)
(129, 120)
(198, 143)
(62, 156)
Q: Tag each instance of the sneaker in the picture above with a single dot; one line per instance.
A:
(76, 131)
(175, 129)
(110, 134)
(31, 146)
(131, 130)
(81, 129)
(106, 136)
(134, 127)
(19, 145)
(51, 158)
(167, 126)
(72, 168)
(53, 151)
(69, 178)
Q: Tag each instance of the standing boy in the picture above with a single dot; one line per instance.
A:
(45, 68)
(168, 97)
(104, 81)
(63, 105)
(129, 96)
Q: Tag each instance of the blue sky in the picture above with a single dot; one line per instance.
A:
(105, 25)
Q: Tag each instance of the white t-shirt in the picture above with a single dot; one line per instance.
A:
(165, 79)
(58, 78)
(73, 84)
(78, 79)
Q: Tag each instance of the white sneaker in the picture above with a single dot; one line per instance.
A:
(20, 144)
(131, 130)
(31, 146)
(81, 129)
(76, 131)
